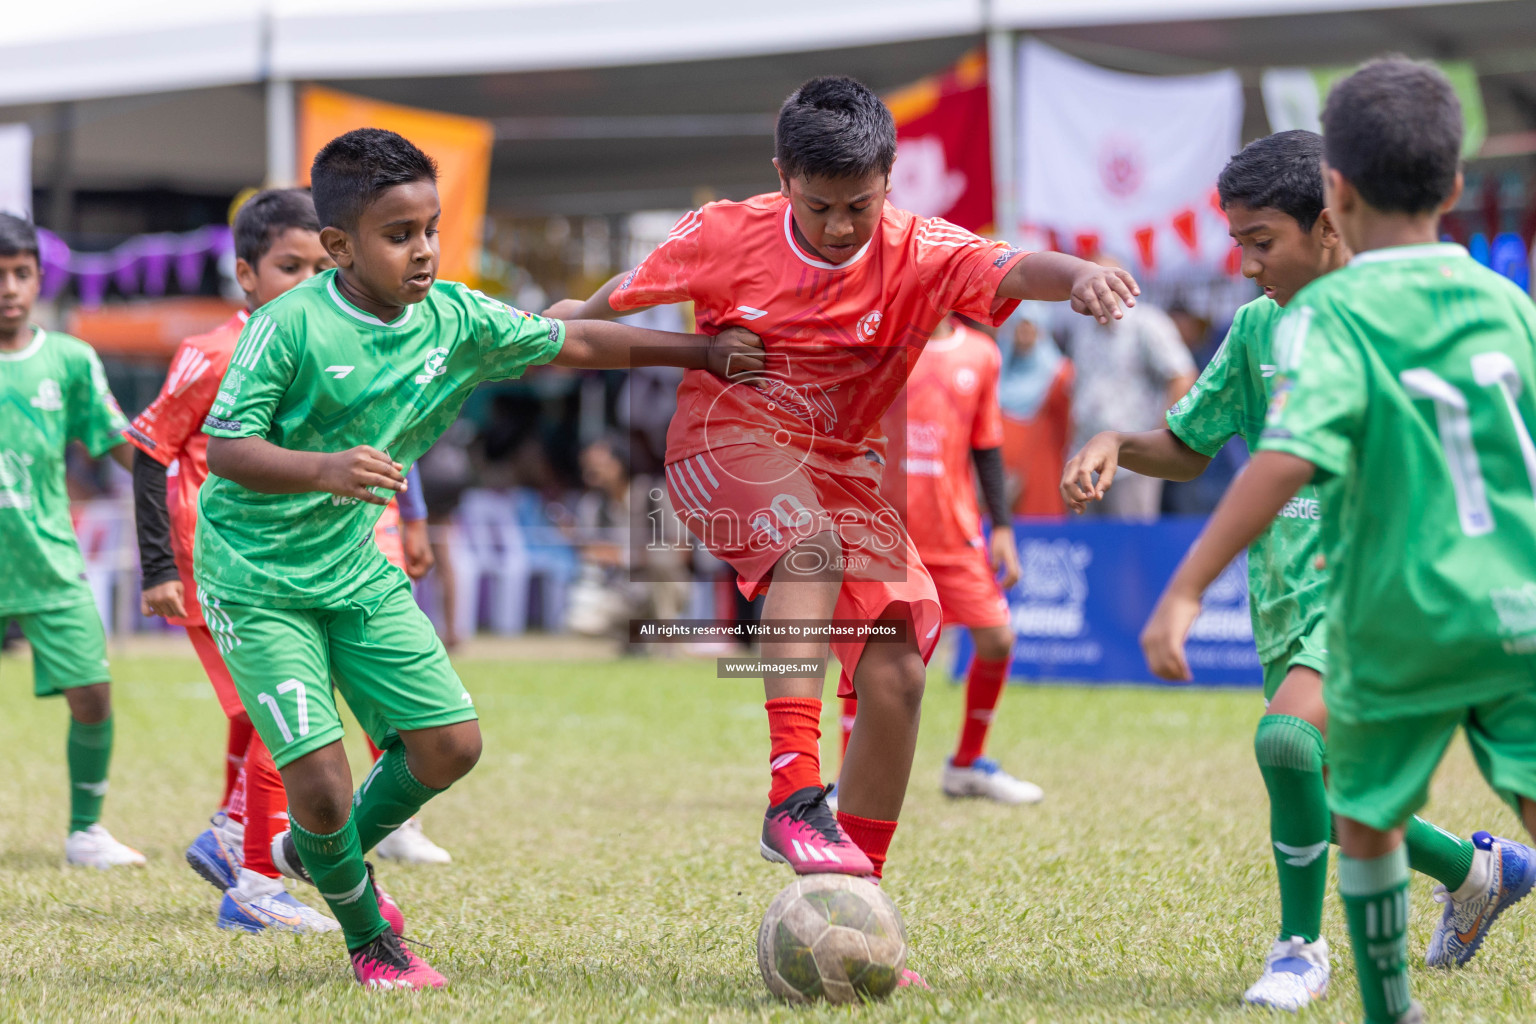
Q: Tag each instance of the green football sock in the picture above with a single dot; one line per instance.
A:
(335, 862)
(90, 752)
(388, 796)
(1437, 853)
(1290, 755)
(1376, 904)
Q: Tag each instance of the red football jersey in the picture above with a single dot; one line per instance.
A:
(170, 431)
(950, 408)
(840, 338)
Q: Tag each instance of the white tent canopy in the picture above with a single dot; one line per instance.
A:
(76, 49)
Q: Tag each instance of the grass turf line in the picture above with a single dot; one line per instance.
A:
(606, 867)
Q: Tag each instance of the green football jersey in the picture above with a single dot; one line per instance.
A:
(312, 372)
(1408, 378)
(1285, 586)
(52, 391)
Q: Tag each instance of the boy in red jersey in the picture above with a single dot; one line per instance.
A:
(779, 475)
(277, 244)
(951, 419)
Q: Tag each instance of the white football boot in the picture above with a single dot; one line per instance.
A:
(1295, 975)
(94, 847)
(984, 777)
(408, 844)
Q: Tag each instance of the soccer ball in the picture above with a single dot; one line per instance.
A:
(831, 936)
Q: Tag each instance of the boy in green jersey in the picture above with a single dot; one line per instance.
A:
(1405, 381)
(53, 391)
(332, 390)
(1272, 193)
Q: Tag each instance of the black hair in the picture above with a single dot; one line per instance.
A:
(18, 237)
(354, 169)
(266, 215)
(834, 127)
(1393, 131)
(1279, 171)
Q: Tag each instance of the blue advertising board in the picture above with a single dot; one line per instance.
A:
(1087, 588)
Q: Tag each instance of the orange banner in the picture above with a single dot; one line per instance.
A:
(460, 145)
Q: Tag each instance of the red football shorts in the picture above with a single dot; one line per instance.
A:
(969, 593)
(749, 504)
(213, 664)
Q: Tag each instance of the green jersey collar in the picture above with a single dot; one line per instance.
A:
(27, 350)
(1409, 252)
(357, 314)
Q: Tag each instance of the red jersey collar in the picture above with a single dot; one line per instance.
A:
(817, 261)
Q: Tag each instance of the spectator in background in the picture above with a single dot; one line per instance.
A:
(445, 474)
(1129, 372)
(1199, 496)
(615, 583)
(1035, 392)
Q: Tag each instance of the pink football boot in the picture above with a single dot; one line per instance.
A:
(386, 963)
(803, 833)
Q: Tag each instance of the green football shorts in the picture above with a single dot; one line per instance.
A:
(1379, 772)
(69, 647)
(379, 649)
(1310, 650)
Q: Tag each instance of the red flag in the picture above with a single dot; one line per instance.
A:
(944, 145)
(1184, 227)
(1145, 250)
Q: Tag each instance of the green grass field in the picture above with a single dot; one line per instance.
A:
(606, 865)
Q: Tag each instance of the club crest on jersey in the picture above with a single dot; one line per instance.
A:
(49, 397)
(965, 380)
(434, 366)
(869, 325)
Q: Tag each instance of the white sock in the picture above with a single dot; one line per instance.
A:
(1478, 878)
(253, 885)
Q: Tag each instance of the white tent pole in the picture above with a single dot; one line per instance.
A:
(1001, 57)
(282, 133)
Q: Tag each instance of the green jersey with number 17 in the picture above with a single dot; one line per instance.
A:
(1285, 585)
(312, 372)
(52, 391)
(1408, 376)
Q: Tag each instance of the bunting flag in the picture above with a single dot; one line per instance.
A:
(143, 265)
(460, 145)
(1125, 164)
(944, 145)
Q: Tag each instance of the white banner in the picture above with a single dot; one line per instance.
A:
(1126, 162)
(16, 169)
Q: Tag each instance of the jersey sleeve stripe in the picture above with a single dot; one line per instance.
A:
(261, 346)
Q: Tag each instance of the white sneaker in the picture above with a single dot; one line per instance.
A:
(985, 777)
(95, 848)
(409, 845)
(1295, 975)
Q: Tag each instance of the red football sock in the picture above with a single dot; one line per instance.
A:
(240, 731)
(871, 835)
(235, 808)
(266, 808)
(794, 736)
(373, 751)
(850, 708)
(983, 689)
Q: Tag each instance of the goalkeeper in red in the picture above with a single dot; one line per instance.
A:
(780, 476)
(1404, 386)
(332, 389)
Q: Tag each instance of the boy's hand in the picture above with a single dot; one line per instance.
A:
(1004, 557)
(736, 352)
(1100, 458)
(355, 472)
(1162, 640)
(565, 309)
(164, 599)
(418, 551)
(1100, 291)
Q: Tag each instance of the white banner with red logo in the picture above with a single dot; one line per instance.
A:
(1124, 164)
(944, 145)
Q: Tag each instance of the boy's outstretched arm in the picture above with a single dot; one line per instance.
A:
(594, 308)
(598, 345)
(1088, 474)
(1096, 291)
(262, 466)
(1251, 504)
